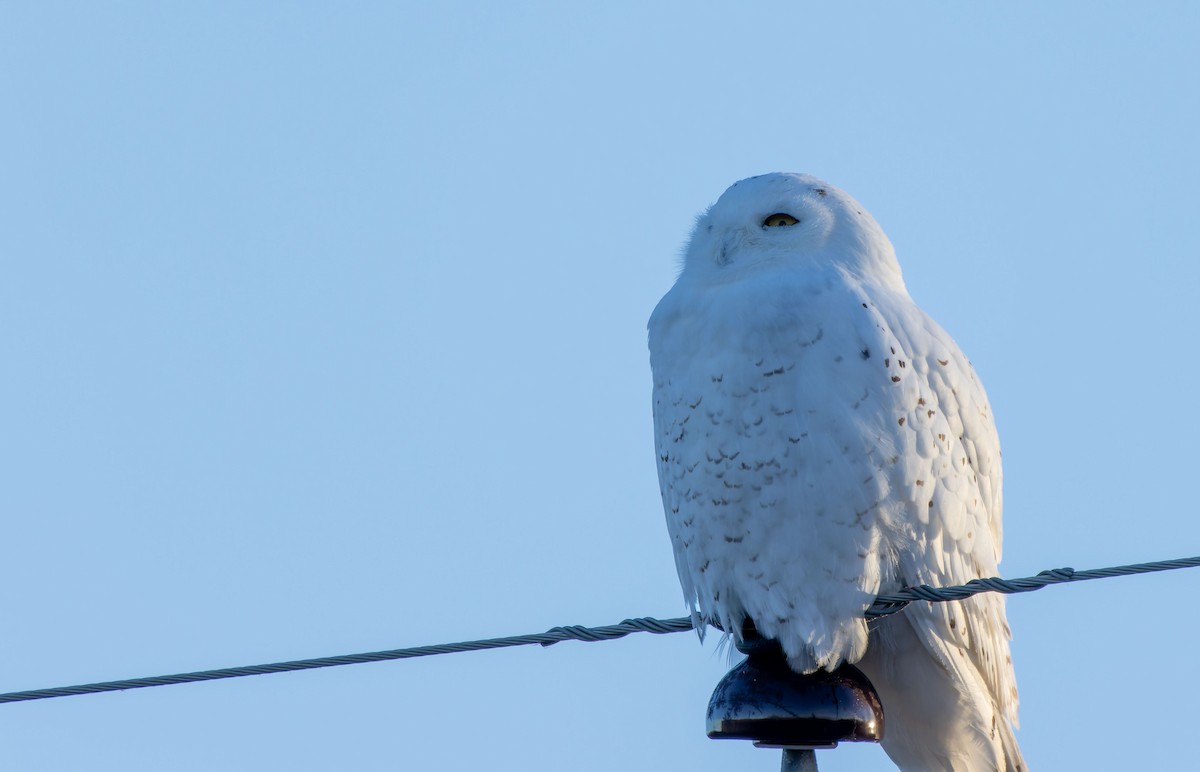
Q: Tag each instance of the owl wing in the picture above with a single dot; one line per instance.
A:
(951, 480)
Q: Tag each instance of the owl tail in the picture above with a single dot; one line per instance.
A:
(939, 715)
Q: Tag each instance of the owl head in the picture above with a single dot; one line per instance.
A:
(788, 222)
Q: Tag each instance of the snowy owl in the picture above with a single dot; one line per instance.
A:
(821, 440)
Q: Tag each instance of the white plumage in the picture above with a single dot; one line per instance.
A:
(821, 440)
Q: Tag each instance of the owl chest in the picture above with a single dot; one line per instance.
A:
(763, 431)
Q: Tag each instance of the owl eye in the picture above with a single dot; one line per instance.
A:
(779, 219)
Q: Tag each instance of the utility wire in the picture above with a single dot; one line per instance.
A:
(891, 603)
(551, 636)
(884, 605)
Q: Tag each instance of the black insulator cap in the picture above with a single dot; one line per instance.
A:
(766, 701)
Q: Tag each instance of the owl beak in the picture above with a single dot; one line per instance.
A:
(731, 243)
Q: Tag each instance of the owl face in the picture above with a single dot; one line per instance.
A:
(786, 222)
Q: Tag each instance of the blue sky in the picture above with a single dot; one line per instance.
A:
(323, 331)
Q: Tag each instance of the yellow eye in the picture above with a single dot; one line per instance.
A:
(779, 219)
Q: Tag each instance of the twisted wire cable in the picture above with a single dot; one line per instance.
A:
(893, 602)
(552, 636)
(883, 605)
